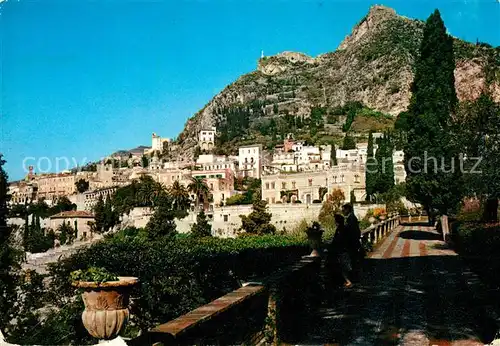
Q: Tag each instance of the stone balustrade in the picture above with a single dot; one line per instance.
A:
(264, 313)
(376, 232)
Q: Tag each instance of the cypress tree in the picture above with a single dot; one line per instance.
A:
(370, 169)
(8, 256)
(432, 182)
(333, 155)
(383, 179)
(100, 215)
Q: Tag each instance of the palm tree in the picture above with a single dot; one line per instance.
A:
(179, 195)
(149, 191)
(199, 187)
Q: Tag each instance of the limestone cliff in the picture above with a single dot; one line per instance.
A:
(373, 65)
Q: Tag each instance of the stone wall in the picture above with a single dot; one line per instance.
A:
(226, 220)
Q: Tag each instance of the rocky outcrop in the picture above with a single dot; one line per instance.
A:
(374, 65)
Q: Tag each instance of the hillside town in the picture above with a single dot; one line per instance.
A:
(294, 174)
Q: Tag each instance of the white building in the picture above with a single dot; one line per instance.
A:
(157, 144)
(206, 139)
(210, 162)
(250, 161)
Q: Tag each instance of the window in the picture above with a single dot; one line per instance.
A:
(273, 200)
(246, 159)
(342, 177)
(293, 185)
(356, 178)
(283, 185)
(211, 186)
(273, 186)
(267, 186)
(310, 182)
(226, 218)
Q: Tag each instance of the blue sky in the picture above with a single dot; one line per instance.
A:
(82, 79)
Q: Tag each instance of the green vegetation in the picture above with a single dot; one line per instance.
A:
(258, 221)
(478, 129)
(399, 37)
(82, 185)
(349, 142)
(193, 271)
(93, 274)
(9, 257)
(201, 228)
(428, 122)
(371, 169)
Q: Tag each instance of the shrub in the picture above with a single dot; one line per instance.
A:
(178, 275)
(93, 274)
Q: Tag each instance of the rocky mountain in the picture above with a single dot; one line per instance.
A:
(373, 65)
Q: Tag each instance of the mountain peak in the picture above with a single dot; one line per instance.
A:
(376, 16)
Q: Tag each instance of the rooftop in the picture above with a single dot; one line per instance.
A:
(73, 213)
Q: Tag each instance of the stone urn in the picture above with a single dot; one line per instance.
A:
(106, 306)
(314, 235)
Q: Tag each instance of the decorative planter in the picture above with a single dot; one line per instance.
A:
(315, 242)
(382, 217)
(106, 306)
(314, 235)
(372, 220)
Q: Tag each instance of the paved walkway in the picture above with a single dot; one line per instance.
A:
(414, 291)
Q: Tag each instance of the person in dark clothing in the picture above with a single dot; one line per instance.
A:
(355, 248)
(339, 251)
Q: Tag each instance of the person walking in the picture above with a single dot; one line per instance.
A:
(338, 252)
(354, 235)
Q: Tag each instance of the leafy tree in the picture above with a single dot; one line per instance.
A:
(162, 224)
(333, 155)
(259, 220)
(198, 186)
(201, 228)
(480, 129)
(100, 215)
(330, 207)
(63, 204)
(275, 109)
(349, 143)
(65, 233)
(9, 257)
(371, 169)
(82, 185)
(144, 161)
(429, 133)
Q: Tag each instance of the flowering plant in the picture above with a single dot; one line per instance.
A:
(378, 212)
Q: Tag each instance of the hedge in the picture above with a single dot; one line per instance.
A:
(179, 275)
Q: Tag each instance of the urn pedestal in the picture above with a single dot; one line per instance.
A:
(106, 306)
(315, 242)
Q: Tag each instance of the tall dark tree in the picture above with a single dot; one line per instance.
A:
(9, 259)
(162, 222)
(429, 150)
(333, 155)
(383, 180)
(371, 169)
(111, 217)
(100, 215)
